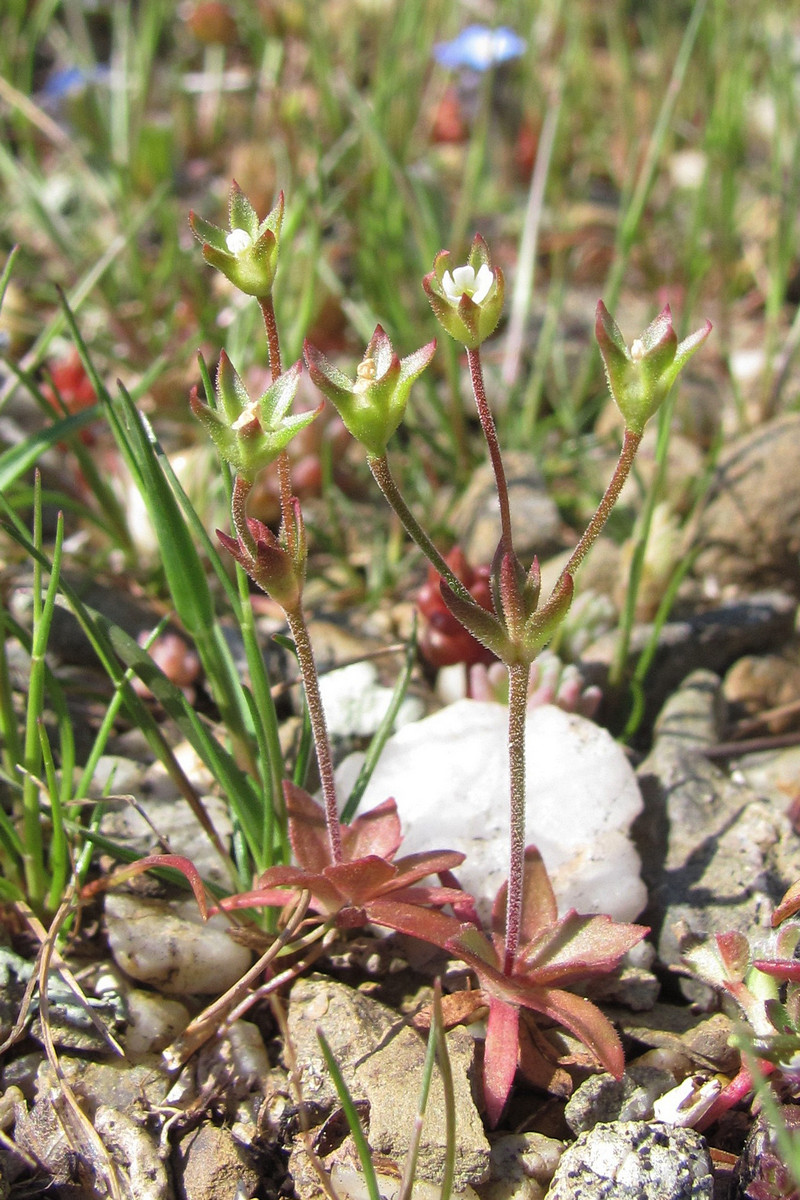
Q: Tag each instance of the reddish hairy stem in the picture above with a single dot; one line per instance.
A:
(276, 369)
(518, 674)
(490, 434)
(319, 729)
(273, 344)
(241, 490)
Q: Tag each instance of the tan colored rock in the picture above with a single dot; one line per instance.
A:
(748, 531)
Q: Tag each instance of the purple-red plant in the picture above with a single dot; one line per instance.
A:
(366, 885)
(553, 952)
(444, 640)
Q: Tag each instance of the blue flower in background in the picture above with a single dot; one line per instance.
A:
(479, 48)
(69, 81)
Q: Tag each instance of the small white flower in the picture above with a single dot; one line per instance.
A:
(248, 415)
(238, 240)
(687, 1102)
(464, 282)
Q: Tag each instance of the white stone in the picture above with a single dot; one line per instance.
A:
(356, 703)
(449, 776)
(153, 1022)
(167, 944)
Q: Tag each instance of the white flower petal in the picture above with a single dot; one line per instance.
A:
(687, 1102)
(464, 280)
(484, 282)
(449, 287)
(238, 240)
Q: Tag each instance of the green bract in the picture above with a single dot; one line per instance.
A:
(371, 406)
(250, 434)
(247, 254)
(468, 300)
(639, 379)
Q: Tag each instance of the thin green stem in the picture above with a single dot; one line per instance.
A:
(308, 670)
(379, 466)
(518, 674)
(490, 434)
(630, 445)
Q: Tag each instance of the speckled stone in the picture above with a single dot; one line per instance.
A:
(635, 1160)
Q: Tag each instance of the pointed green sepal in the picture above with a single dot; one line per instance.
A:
(640, 378)
(250, 434)
(373, 405)
(543, 623)
(484, 626)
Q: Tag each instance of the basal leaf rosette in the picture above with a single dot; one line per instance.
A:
(641, 377)
(467, 301)
(554, 953)
(247, 253)
(250, 434)
(374, 403)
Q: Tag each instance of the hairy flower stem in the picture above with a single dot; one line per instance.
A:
(379, 465)
(241, 490)
(490, 434)
(518, 674)
(276, 370)
(319, 729)
(630, 445)
(273, 343)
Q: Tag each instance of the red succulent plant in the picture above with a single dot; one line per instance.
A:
(444, 640)
(368, 885)
(554, 951)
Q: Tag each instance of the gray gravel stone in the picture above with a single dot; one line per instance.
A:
(213, 1166)
(381, 1060)
(634, 1160)
(715, 855)
(748, 530)
(602, 1098)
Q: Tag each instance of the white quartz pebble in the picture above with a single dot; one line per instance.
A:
(449, 776)
(167, 944)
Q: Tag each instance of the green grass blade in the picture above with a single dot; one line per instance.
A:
(185, 574)
(352, 1118)
(7, 270)
(238, 786)
(18, 459)
(382, 733)
(445, 1068)
(43, 609)
(412, 1156)
(110, 644)
(57, 853)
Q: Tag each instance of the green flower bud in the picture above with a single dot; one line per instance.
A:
(247, 255)
(468, 300)
(274, 566)
(250, 434)
(374, 403)
(640, 379)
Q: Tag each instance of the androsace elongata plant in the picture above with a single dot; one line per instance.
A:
(251, 434)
